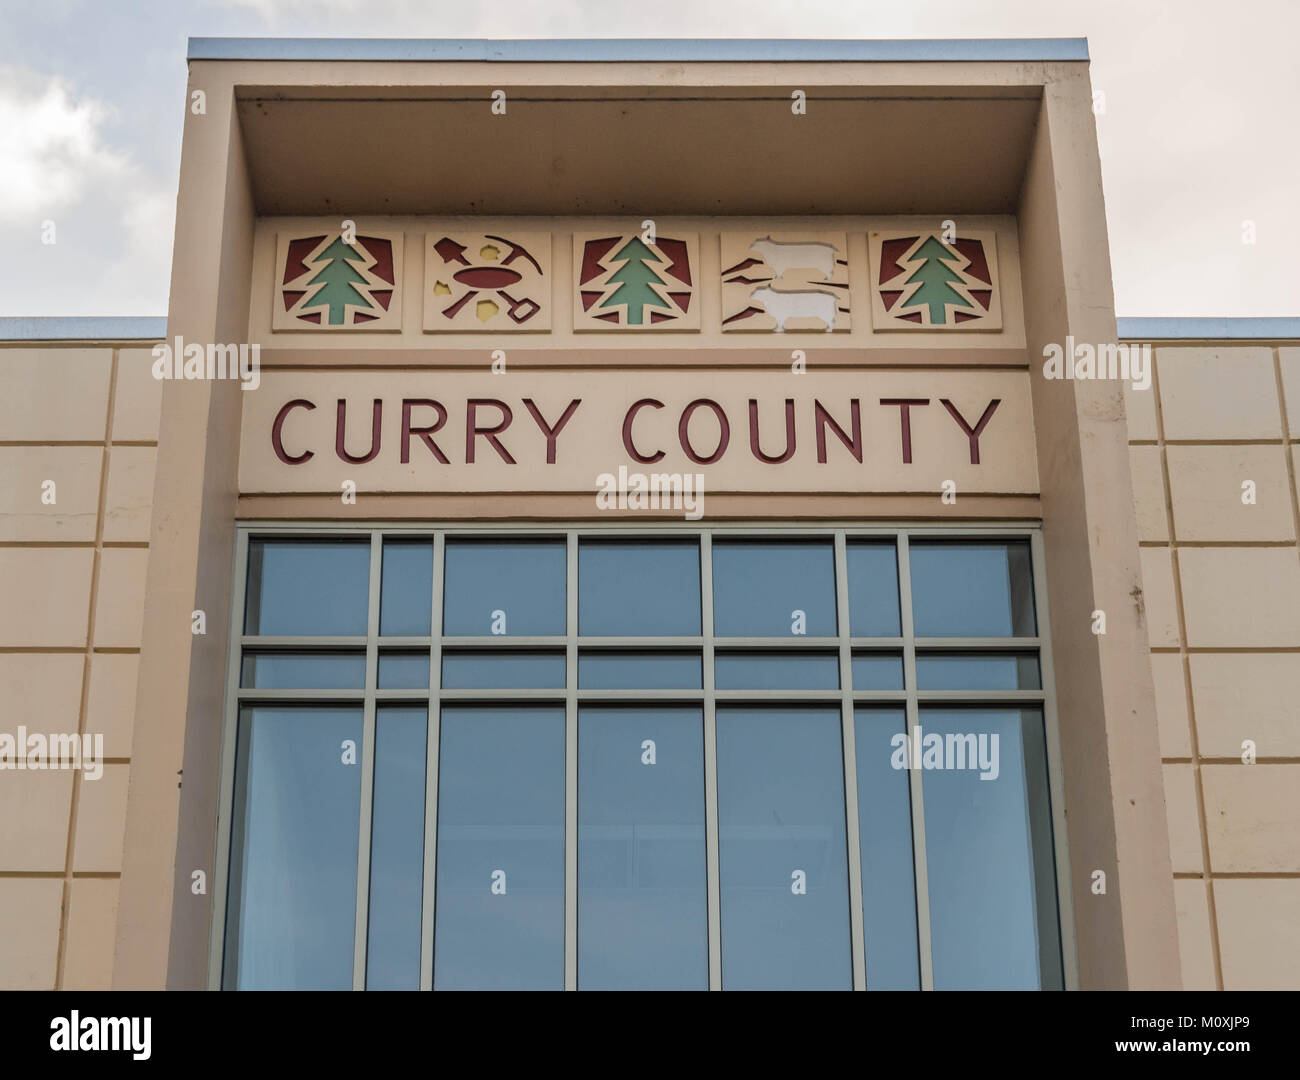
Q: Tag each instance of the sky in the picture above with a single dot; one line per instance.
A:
(1198, 130)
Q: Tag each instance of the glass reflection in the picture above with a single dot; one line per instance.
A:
(500, 883)
(504, 587)
(397, 849)
(293, 857)
(988, 846)
(783, 850)
(642, 899)
(773, 588)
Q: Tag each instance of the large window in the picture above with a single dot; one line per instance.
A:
(631, 759)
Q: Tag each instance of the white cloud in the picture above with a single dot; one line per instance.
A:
(110, 249)
(148, 222)
(51, 153)
(271, 10)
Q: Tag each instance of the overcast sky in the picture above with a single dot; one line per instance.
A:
(1198, 136)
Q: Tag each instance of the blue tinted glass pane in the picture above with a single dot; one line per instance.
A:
(759, 587)
(877, 671)
(639, 671)
(403, 671)
(777, 671)
(303, 671)
(988, 845)
(781, 816)
(397, 849)
(406, 596)
(293, 856)
(307, 587)
(498, 670)
(504, 586)
(500, 899)
(642, 896)
(885, 837)
(977, 671)
(964, 589)
(638, 588)
(873, 589)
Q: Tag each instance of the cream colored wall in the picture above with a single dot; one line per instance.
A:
(1222, 595)
(72, 578)
(1222, 598)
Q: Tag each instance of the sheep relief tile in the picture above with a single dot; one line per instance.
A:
(340, 279)
(785, 281)
(924, 279)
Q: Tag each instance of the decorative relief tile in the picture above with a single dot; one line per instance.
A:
(498, 280)
(785, 281)
(323, 282)
(919, 281)
(625, 282)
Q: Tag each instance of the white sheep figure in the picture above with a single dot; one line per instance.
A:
(795, 256)
(799, 305)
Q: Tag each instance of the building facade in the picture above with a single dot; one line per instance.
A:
(646, 514)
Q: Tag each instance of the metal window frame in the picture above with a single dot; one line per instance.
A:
(844, 645)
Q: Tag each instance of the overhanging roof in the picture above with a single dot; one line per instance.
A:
(636, 50)
(619, 126)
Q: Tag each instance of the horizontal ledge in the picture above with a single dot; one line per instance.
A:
(974, 644)
(638, 50)
(83, 328)
(634, 695)
(248, 695)
(1207, 329)
(154, 328)
(721, 644)
(617, 97)
(280, 527)
(286, 641)
(980, 697)
(740, 351)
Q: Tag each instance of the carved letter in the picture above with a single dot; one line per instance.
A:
(277, 429)
(472, 429)
(551, 433)
(905, 418)
(683, 436)
(821, 418)
(340, 426)
(633, 452)
(424, 433)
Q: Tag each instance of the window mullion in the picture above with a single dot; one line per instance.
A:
(710, 766)
(431, 770)
(914, 774)
(571, 767)
(360, 940)
(226, 801)
(848, 736)
(1055, 775)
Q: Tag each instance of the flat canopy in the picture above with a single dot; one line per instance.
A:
(648, 50)
(682, 127)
